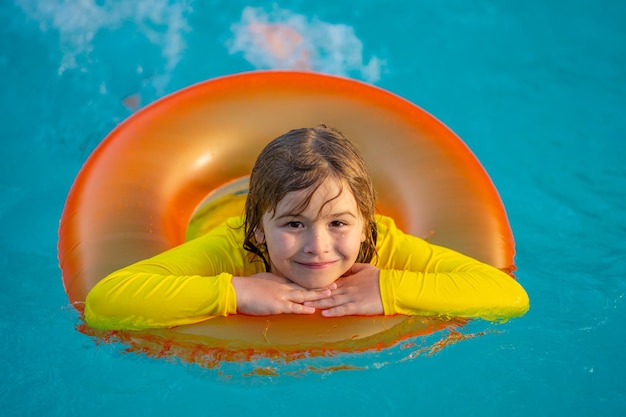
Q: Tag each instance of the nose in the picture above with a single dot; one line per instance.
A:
(318, 241)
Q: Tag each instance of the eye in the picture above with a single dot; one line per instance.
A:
(295, 225)
(337, 224)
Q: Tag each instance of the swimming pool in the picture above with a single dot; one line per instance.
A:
(536, 90)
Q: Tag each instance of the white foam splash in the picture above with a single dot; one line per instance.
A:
(285, 40)
(162, 22)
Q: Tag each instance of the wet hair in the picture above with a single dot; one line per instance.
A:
(303, 159)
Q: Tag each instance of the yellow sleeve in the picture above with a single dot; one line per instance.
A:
(419, 278)
(184, 285)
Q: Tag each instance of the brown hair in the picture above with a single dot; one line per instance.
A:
(303, 159)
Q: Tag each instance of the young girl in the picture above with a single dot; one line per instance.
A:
(309, 240)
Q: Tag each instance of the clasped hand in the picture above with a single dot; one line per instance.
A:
(355, 293)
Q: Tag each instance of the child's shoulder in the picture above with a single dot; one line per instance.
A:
(230, 228)
(385, 223)
(388, 231)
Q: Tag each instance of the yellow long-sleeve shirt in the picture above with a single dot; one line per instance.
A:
(192, 282)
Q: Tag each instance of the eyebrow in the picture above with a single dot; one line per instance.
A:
(296, 215)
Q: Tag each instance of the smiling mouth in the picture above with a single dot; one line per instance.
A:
(316, 265)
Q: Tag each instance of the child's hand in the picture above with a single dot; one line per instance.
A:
(265, 293)
(357, 293)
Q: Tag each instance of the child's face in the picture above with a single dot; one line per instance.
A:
(317, 246)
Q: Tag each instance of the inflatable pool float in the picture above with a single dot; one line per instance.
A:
(175, 168)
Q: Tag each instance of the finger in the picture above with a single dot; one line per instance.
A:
(296, 308)
(339, 311)
(300, 296)
(321, 304)
(353, 308)
(329, 302)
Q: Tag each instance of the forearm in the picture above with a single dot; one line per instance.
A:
(133, 300)
(488, 294)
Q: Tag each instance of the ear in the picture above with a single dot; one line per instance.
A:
(259, 235)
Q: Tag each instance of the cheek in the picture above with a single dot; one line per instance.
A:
(280, 243)
(352, 244)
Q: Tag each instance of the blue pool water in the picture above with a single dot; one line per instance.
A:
(536, 89)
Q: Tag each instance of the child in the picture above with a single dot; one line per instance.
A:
(309, 240)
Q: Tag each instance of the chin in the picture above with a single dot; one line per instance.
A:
(315, 282)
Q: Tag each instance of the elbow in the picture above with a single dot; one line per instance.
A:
(105, 311)
(521, 303)
(515, 304)
(96, 312)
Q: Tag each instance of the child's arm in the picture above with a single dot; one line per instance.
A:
(413, 277)
(184, 285)
(418, 278)
(457, 286)
(206, 277)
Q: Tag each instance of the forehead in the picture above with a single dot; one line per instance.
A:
(332, 196)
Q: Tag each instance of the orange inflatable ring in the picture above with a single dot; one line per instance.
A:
(147, 181)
